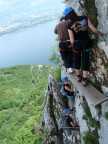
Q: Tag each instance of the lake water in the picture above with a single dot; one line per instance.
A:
(26, 30)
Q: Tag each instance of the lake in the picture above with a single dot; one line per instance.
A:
(31, 46)
(26, 31)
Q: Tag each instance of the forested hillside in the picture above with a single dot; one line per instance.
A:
(22, 90)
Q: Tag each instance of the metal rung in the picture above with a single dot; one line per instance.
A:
(77, 128)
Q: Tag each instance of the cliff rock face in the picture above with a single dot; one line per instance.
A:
(102, 7)
(76, 4)
(97, 10)
(102, 17)
(99, 59)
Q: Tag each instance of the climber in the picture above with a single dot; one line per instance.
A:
(80, 41)
(67, 110)
(67, 91)
(69, 120)
(65, 48)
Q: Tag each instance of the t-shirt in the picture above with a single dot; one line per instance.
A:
(69, 93)
(62, 30)
(80, 28)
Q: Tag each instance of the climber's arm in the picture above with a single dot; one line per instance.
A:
(93, 28)
(71, 36)
(68, 88)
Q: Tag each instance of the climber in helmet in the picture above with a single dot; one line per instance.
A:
(67, 91)
(80, 41)
(70, 121)
(65, 47)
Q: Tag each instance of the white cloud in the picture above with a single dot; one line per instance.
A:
(7, 3)
(35, 2)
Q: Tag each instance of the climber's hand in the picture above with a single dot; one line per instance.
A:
(100, 33)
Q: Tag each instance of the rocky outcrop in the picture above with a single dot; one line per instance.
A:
(102, 11)
(97, 10)
(54, 118)
(55, 134)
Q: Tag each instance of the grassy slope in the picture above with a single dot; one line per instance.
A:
(20, 103)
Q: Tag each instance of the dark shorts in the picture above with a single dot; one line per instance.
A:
(64, 45)
(66, 54)
(81, 55)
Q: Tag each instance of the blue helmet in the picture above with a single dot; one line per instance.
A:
(68, 10)
(65, 79)
(66, 111)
